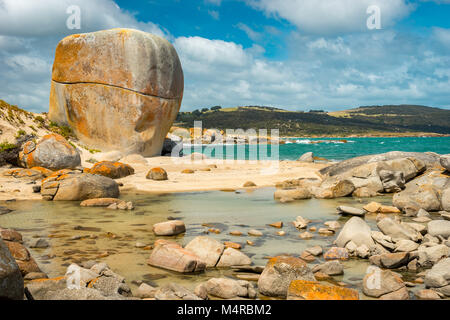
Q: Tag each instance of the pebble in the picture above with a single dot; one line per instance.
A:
(236, 233)
(278, 224)
(255, 233)
(305, 235)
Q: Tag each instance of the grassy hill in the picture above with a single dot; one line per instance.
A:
(366, 120)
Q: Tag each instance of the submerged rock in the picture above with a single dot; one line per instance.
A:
(173, 291)
(169, 228)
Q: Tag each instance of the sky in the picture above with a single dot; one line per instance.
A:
(290, 54)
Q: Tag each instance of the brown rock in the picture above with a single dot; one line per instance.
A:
(169, 228)
(100, 202)
(336, 253)
(171, 256)
(157, 174)
(113, 170)
(278, 274)
(278, 224)
(312, 290)
(51, 152)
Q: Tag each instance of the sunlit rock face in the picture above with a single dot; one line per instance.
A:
(118, 89)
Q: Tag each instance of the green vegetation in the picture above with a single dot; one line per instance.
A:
(20, 133)
(65, 131)
(5, 146)
(91, 150)
(362, 120)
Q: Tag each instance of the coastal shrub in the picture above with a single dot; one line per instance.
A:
(63, 130)
(4, 146)
(20, 133)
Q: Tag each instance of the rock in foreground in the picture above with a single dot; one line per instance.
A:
(312, 290)
(78, 186)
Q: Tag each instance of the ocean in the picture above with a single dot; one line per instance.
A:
(328, 148)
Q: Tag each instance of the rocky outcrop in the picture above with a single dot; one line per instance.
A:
(428, 158)
(97, 283)
(118, 89)
(445, 162)
(51, 152)
(371, 175)
(429, 192)
(11, 281)
(70, 185)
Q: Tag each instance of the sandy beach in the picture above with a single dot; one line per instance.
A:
(210, 174)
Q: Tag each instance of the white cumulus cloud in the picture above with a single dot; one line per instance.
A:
(332, 16)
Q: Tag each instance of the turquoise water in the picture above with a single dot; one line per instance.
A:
(334, 149)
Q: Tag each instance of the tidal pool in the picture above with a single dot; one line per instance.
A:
(116, 232)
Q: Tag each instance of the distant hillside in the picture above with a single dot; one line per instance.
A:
(367, 120)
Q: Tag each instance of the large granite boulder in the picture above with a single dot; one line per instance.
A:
(11, 281)
(118, 89)
(51, 152)
(63, 185)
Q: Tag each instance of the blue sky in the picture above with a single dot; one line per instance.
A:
(292, 54)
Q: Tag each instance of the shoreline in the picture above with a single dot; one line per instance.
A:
(209, 175)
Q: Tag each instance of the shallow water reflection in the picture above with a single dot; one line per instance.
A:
(79, 234)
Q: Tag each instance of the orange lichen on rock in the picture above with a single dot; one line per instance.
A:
(114, 170)
(46, 172)
(157, 173)
(311, 290)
